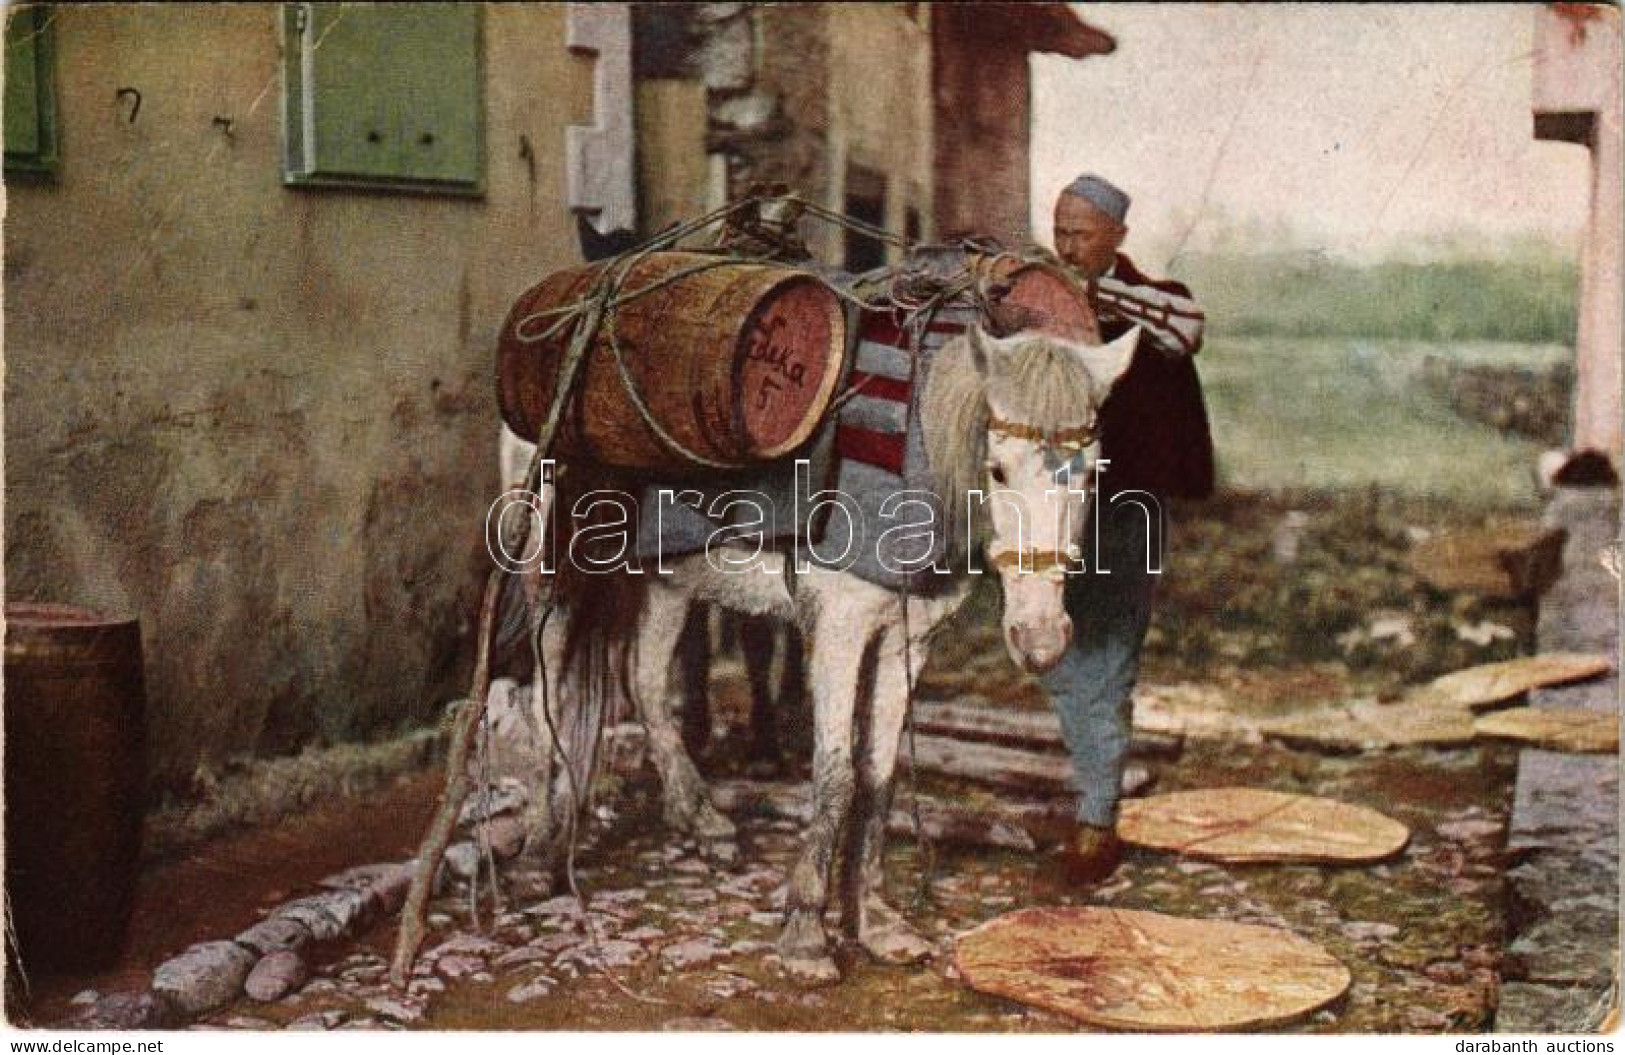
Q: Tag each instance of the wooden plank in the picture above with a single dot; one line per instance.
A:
(969, 719)
(1008, 768)
(990, 764)
(942, 822)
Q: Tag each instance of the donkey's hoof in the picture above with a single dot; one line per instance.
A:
(720, 853)
(807, 969)
(710, 825)
(803, 951)
(699, 818)
(896, 945)
(889, 938)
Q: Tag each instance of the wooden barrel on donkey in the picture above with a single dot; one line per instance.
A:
(74, 782)
(1046, 297)
(700, 360)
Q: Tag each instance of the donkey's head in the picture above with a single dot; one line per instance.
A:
(1012, 433)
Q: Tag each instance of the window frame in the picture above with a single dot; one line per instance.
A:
(43, 164)
(296, 173)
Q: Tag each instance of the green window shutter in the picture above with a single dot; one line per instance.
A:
(30, 99)
(384, 95)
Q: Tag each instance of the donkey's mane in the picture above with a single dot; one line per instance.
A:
(1039, 373)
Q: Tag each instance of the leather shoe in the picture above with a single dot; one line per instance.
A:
(1089, 856)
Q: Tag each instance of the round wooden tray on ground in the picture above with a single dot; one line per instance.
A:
(1253, 824)
(1555, 728)
(1493, 683)
(1144, 971)
(1369, 725)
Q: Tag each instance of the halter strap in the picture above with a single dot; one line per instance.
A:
(1081, 435)
(1042, 561)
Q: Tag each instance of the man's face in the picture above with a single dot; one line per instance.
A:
(1085, 237)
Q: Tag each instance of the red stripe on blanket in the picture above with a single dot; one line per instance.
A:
(877, 387)
(883, 328)
(884, 450)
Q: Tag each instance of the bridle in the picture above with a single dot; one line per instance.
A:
(1079, 436)
(1051, 563)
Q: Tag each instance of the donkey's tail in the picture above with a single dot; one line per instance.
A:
(513, 616)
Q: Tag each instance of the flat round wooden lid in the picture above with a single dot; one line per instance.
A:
(1555, 728)
(61, 635)
(1145, 971)
(792, 356)
(1369, 725)
(1252, 824)
(1493, 683)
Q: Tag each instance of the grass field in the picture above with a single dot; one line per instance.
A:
(1524, 293)
(1294, 413)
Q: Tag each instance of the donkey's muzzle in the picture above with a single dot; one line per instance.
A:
(1038, 647)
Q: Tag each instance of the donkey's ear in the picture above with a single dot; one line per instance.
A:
(1106, 362)
(980, 354)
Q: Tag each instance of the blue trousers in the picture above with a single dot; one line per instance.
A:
(1091, 688)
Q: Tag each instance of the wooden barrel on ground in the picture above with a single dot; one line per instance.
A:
(736, 362)
(74, 782)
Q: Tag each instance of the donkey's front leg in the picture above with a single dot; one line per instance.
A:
(879, 927)
(687, 807)
(837, 649)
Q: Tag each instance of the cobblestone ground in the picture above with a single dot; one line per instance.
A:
(668, 942)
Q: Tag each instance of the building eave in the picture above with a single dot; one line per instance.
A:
(1054, 28)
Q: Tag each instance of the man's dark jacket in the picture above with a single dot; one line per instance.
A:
(1154, 425)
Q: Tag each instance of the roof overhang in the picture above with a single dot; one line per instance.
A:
(1051, 27)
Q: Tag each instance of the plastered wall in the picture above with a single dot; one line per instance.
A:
(261, 419)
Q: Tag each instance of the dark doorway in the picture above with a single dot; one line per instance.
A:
(866, 201)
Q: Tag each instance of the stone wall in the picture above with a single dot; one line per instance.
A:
(260, 418)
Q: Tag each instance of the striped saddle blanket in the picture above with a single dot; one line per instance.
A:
(872, 450)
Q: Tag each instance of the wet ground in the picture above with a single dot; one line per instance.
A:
(224, 886)
(669, 942)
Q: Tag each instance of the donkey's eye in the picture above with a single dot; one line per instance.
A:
(996, 472)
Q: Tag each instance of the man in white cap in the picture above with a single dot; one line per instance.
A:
(1154, 431)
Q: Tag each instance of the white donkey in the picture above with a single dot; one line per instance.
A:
(1011, 418)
